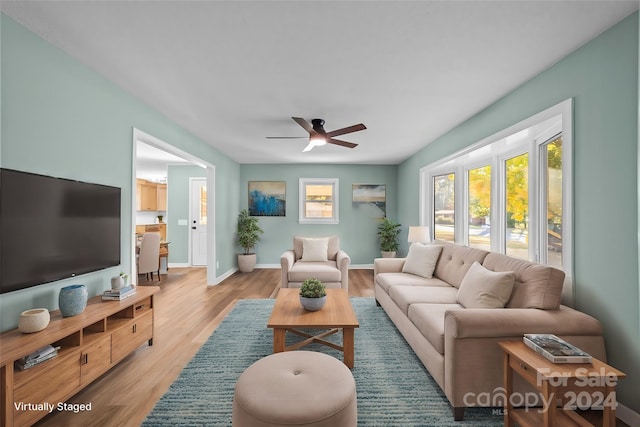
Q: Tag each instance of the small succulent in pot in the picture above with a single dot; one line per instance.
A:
(313, 294)
(312, 288)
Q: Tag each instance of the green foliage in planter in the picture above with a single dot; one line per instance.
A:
(312, 288)
(388, 231)
(248, 231)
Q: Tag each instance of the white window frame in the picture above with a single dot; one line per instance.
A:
(468, 158)
(303, 182)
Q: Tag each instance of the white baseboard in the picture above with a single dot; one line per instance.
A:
(361, 267)
(224, 276)
(627, 415)
(269, 266)
(179, 264)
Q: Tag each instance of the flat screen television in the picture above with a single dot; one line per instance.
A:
(55, 228)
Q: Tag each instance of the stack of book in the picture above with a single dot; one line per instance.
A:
(118, 294)
(40, 355)
(556, 349)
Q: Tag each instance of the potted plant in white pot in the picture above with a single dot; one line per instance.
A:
(249, 232)
(388, 232)
(313, 294)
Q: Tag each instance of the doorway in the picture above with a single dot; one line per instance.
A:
(207, 240)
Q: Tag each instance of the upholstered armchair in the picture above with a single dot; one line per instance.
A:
(317, 257)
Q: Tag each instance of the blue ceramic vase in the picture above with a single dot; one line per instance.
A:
(72, 300)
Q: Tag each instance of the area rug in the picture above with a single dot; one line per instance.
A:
(392, 386)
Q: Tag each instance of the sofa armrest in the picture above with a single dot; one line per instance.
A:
(514, 322)
(388, 265)
(343, 261)
(286, 262)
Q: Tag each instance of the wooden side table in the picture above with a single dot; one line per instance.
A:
(575, 385)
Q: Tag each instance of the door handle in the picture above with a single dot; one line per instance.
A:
(193, 228)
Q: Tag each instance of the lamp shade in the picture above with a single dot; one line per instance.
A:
(418, 234)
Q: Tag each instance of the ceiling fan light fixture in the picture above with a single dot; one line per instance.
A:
(318, 140)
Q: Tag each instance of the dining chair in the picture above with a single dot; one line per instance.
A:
(149, 256)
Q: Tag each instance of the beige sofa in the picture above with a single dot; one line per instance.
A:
(458, 345)
(315, 257)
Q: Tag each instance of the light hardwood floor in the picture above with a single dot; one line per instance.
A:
(187, 311)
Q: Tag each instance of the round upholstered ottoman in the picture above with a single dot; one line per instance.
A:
(295, 388)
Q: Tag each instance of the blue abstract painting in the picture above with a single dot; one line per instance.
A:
(267, 198)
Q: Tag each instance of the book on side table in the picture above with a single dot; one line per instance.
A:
(556, 349)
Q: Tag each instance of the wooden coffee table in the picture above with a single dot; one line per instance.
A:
(337, 314)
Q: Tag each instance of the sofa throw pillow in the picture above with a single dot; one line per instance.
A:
(421, 260)
(315, 249)
(482, 288)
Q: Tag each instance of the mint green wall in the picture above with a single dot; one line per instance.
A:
(602, 77)
(358, 223)
(178, 209)
(60, 118)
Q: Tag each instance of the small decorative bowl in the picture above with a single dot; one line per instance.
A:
(33, 320)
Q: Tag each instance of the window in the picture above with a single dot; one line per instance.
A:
(318, 201)
(514, 197)
(444, 207)
(517, 206)
(479, 207)
(552, 155)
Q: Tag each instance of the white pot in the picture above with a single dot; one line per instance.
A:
(33, 320)
(391, 254)
(246, 263)
(117, 282)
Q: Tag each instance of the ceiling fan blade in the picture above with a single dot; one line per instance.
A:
(342, 143)
(309, 147)
(349, 129)
(287, 137)
(302, 122)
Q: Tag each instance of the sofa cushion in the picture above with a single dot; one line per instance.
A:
(315, 249)
(535, 285)
(421, 260)
(404, 296)
(387, 280)
(455, 260)
(482, 288)
(429, 320)
(326, 271)
(332, 249)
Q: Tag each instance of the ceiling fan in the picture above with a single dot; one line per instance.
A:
(318, 136)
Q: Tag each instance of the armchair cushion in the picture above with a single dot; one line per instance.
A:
(324, 271)
(314, 249)
(332, 248)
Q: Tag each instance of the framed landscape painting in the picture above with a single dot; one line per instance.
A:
(267, 198)
(373, 194)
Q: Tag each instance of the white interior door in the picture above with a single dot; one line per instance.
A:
(198, 221)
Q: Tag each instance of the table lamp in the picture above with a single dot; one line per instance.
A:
(418, 234)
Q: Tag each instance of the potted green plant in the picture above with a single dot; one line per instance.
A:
(313, 294)
(388, 232)
(249, 232)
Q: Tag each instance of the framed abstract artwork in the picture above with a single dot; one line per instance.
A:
(267, 198)
(372, 194)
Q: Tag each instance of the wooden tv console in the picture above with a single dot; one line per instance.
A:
(90, 344)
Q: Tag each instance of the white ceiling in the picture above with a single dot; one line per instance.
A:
(234, 73)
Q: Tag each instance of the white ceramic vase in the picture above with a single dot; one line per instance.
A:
(117, 282)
